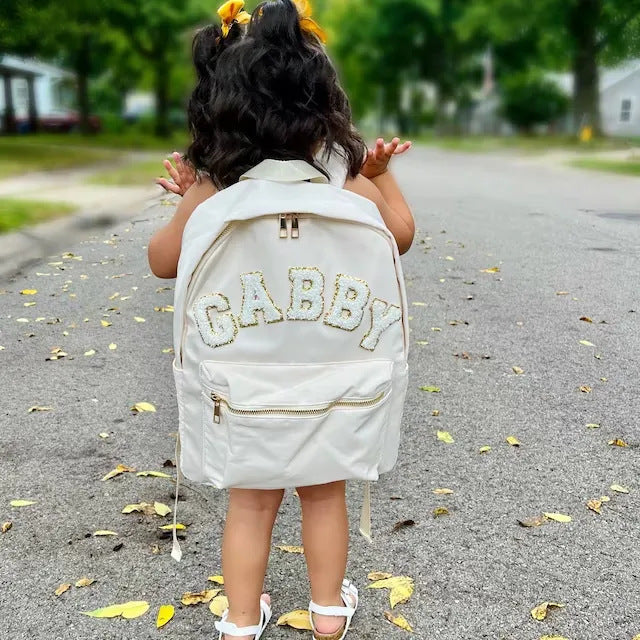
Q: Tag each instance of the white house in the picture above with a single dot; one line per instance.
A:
(51, 88)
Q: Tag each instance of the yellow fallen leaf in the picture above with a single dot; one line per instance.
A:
(65, 586)
(563, 638)
(585, 388)
(399, 621)
(169, 527)
(165, 613)
(518, 371)
(22, 503)
(618, 443)
(155, 474)
(139, 319)
(167, 309)
(29, 292)
(161, 509)
(143, 507)
(121, 468)
(445, 436)
(216, 579)
(140, 407)
(84, 582)
(436, 329)
(168, 350)
(595, 505)
(105, 323)
(113, 346)
(440, 511)
(218, 605)
(401, 593)
(91, 352)
(379, 575)
(22, 319)
(442, 491)
(6, 526)
(133, 609)
(593, 425)
(562, 293)
(198, 597)
(419, 304)
(491, 270)
(32, 409)
(389, 583)
(29, 304)
(104, 532)
(298, 619)
(289, 548)
(450, 258)
(605, 499)
(618, 488)
(513, 441)
(540, 612)
(104, 434)
(586, 343)
(558, 517)
(538, 521)
(485, 449)
(435, 413)
(430, 389)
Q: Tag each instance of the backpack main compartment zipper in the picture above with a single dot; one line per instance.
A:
(218, 401)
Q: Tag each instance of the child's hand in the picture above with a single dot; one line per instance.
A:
(182, 174)
(378, 158)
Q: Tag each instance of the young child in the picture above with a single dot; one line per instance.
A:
(266, 89)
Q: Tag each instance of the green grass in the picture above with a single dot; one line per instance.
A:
(18, 157)
(626, 167)
(132, 174)
(15, 214)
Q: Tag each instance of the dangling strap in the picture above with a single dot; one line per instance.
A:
(176, 551)
(365, 513)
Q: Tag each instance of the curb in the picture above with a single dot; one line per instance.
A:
(22, 248)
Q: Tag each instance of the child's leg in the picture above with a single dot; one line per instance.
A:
(325, 535)
(245, 550)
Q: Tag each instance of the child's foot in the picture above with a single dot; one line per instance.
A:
(265, 597)
(333, 625)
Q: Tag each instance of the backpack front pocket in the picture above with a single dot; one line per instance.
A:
(283, 425)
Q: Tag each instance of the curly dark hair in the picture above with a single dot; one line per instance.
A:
(267, 90)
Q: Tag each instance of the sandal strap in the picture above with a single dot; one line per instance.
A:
(230, 629)
(346, 612)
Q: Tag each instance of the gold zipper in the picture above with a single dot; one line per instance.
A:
(289, 411)
(283, 224)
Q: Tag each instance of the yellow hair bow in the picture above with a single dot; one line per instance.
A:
(230, 12)
(307, 23)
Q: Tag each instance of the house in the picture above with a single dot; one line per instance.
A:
(32, 91)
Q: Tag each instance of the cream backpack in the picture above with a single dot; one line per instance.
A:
(291, 335)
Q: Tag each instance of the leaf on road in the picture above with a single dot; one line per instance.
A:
(167, 309)
(165, 613)
(168, 350)
(199, 597)
(586, 319)
(435, 413)
(104, 532)
(140, 407)
(38, 408)
(562, 293)
(113, 346)
(84, 582)
(540, 612)
(121, 468)
(105, 323)
(436, 329)
(161, 509)
(91, 352)
(586, 343)
(22, 503)
(129, 610)
(440, 511)
(399, 621)
(564, 638)
(485, 449)
(65, 586)
(155, 474)
(403, 524)
(6, 526)
(379, 575)
(401, 588)
(169, 527)
(585, 388)
(618, 488)
(618, 443)
(419, 304)
(518, 371)
(513, 441)
(442, 492)
(139, 319)
(143, 507)
(490, 270)
(29, 292)
(218, 605)
(558, 517)
(595, 505)
(289, 548)
(103, 434)
(430, 389)
(536, 521)
(445, 436)
(593, 425)
(216, 579)
(298, 619)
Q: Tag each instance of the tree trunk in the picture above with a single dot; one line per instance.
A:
(446, 69)
(162, 128)
(83, 67)
(584, 18)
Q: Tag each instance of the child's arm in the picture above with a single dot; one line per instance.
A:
(166, 243)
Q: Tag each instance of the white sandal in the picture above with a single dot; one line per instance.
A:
(349, 594)
(231, 629)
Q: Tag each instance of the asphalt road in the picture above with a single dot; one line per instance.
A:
(477, 572)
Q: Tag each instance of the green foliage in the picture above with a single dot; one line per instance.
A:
(530, 100)
(15, 214)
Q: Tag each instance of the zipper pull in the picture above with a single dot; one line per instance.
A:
(284, 232)
(295, 229)
(216, 408)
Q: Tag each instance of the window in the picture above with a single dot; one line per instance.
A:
(625, 111)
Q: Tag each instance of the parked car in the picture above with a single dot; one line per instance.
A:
(61, 121)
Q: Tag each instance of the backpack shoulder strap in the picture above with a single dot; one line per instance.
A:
(285, 171)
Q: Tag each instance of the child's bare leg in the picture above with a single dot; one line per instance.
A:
(245, 550)
(325, 535)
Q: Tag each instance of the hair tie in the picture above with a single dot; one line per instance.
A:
(307, 23)
(230, 12)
